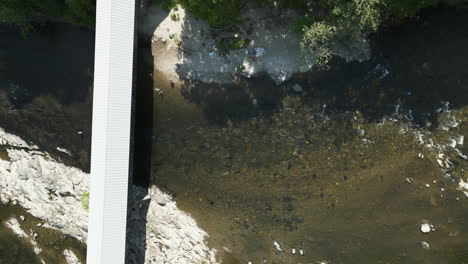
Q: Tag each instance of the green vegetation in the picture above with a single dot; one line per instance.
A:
(345, 21)
(224, 45)
(27, 13)
(85, 201)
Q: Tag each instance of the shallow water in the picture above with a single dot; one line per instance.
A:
(46, 88)
(45, 98)
(19, 250)
(320, 171)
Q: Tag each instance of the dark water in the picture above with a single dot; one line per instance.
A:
(295, 167)
(46, 88)
(56, 60)
(46, 98)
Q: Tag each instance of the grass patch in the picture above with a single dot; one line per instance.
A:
(85, 201)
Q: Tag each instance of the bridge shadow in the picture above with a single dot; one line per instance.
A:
(142, 131)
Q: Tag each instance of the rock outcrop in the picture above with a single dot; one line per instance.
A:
(158, 232)
(167, 233)
(46, 188)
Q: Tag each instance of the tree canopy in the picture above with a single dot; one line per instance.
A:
(27, 13)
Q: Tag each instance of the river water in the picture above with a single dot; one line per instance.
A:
(334, 170)
(45, 98)
(317, 171)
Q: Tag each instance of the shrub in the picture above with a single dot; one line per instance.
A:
(346, 21)
(177, 40)
(85, 201)
(317, 40)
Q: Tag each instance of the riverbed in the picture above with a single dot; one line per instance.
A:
(345, 168)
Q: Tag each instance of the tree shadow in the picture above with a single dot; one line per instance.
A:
(416, 68)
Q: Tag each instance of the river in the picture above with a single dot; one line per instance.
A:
(335, 170)
(317, 170)
(45, 98)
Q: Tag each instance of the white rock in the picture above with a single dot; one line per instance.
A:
(22, 217)
(64, 151)
(293, 251)
(71, 257)
(461, 155)
(301, 251)
(425, 228)
(15, 226)
(297, 88)
(425, 245)
(277, 246)
(427, 185)
(441, 164)
(30, 179)
(4, 200)
(452, 143)
(172, 235)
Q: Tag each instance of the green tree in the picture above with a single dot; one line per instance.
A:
(346, 21)
(27, 13)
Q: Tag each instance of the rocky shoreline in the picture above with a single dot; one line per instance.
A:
(185, 48)
(51, 191)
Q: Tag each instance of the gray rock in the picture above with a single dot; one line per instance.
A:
(297, 88)
(4, 200)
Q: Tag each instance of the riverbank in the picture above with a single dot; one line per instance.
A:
(186, 48)
(52, 192)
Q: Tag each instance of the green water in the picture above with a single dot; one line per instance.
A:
(292, 171)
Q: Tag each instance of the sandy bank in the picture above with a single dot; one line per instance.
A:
(181, 47)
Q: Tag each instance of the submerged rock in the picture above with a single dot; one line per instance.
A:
(425, 228)
(425, 245)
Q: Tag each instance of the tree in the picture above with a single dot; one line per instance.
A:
(346, 21)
